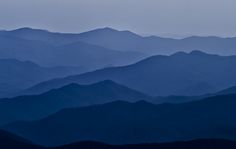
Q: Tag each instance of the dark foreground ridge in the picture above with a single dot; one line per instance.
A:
(9, 143)
(136, 123)
(195, 144)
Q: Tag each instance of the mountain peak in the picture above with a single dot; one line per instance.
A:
(143, 102)
(180, 53)
(105, 82)
(194, 52)
(201, 53)
(71, 85)
(28, 29)
(105, 29)
(100, 83)
(24, 29)
(197, 52)
(108, 29)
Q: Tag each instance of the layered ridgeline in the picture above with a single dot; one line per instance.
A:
(33, 107)
(108, 47)
(72, 95)
(123, 122)
(194, 73)
(72, 54)
(18, 75)
(11, 141)
(128, 41)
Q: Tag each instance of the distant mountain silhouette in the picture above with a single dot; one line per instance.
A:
(56, 39)
(23, 49)
(9, 141)
(72, 95)
(183, 99)
(93, 57)
(18, 75)
(128, 41)
(72, 54)
(114, 39)
(194, 73)
(141, 122)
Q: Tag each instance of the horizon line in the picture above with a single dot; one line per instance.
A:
(145, 35)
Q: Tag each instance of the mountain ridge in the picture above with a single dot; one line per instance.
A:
(160, 123)
(128, 41)
(11, 142)
(162, 75)
(32, 107)
(17, 75)
(74, 53)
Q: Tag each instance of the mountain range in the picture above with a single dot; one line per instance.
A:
(121, 122)
(72, 54)
(129, 41)
(11, 141)
(18, 75)
(162, 75)
(33, 107)
(107, 47)
(111, 89)
(73, 95)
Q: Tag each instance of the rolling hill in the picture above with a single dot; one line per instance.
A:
(73, 95)
(122, 122)
(129, 41)
(162, 75)
(18, 75)
(10, 141)
(72, 54)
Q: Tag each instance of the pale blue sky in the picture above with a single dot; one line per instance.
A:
(184, 17)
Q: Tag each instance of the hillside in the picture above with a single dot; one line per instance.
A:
(72, 95)
(162, 75)
(122, 122)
